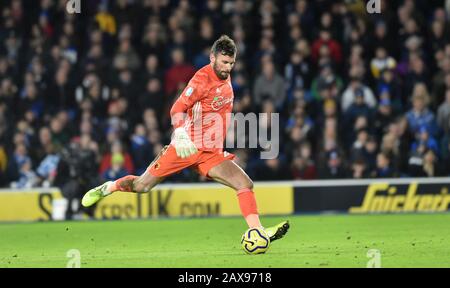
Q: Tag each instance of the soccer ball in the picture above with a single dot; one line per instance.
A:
(255, 241)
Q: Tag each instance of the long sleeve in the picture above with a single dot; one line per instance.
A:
(177, 113)
(194, 91)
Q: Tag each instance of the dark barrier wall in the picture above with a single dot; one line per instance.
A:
(405, 195)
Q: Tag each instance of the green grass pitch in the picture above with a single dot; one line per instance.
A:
(408, 240)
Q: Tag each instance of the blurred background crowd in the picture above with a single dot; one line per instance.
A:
(85, 97)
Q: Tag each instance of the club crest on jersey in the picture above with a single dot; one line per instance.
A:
(189, 91)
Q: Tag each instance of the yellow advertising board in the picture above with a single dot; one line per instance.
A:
(193, 201)
(27, 205)
(165, 201)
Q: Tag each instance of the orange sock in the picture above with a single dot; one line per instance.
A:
(124, 184)
(249, 210)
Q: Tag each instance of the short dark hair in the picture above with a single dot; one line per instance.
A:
(225, 46)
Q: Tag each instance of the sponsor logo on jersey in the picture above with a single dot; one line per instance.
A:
(219, 101)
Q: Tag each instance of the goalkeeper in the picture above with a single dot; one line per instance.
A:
(199, 117)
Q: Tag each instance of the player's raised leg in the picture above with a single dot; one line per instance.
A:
(230, 174)
(165, 164)
(129, 183)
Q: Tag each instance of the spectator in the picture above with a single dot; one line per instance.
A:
(382, 37)
(423, 138)
(106, 161)
(48, 167)
(381, 62)
(425, 164)
(401, 132)
(202, 58)
(60, 137)
(21, 156)
(443, 116)
(141, 149)
(384, 116)
(420, 115)
(360, 123)
(105, 20)
(439, 87)
(384, 169)
(117, 169)
(8, 168)
(370, 153)
(45, 145)
(152, 69)
(325, 40)
(27, 177)
(302, 169)
(297, 72)
(329, 138)
(153, 40)
(31, 100)
(119, 120)
(179, 73)
(359, 169)
(272, 169)
(93, 95)
(333, 168)
(356, 88)
(269, 85)
(417, 73)
(60, 94)
(358, 108)
(305, 11)
(153, 96)
(206, 36)
(124, 87)
(326, 81)
(8, 90)
(388, 83)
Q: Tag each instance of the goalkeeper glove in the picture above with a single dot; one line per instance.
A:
(183, 143)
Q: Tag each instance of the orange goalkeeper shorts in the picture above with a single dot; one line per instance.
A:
(168, 163)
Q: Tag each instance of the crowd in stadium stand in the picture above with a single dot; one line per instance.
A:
(359, 95)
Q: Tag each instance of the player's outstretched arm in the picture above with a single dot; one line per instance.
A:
(180, 138)
(192, 94)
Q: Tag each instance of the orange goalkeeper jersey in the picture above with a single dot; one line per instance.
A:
(208, 101)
